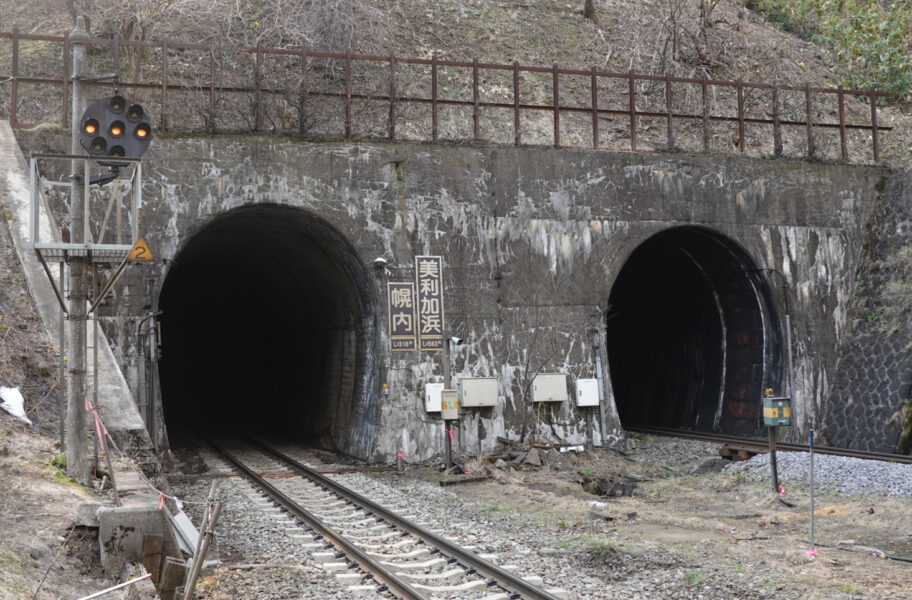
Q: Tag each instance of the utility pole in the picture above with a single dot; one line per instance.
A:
(77, 449)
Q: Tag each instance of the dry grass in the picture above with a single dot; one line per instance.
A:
(727, 42)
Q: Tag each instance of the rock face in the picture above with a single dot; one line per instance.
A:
(533, 242)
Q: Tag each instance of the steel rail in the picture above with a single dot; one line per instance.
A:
(468, 559)
(757, 442)
(394, 584)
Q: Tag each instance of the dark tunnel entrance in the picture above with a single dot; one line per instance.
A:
(692, 335)
(268, 324)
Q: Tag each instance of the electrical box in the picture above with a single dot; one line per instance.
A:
(449, 405)
(476, 392)
(587, 393)
(432, 396)
(777, 411)
(549, 387)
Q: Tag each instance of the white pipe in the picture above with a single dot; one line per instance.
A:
(117, 587)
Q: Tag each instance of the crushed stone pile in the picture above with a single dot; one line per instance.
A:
(838, 474)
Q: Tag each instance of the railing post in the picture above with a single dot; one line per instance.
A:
(434, 97)
(393, 98)
(631, 91)
(210, 126)
(303, 91)
(163, 118)
(66, 83)
(809, 108)
(595, 124)
(706, 123)
(777, 126)
(476, 113)
(741, 144)
(258, 110)
(842, 125)
(14, 84)
(516, 131)
(875, 135)
(348, 94)
(554, 81)
(668, 112)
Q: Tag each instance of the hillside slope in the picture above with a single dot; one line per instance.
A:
(722, 39)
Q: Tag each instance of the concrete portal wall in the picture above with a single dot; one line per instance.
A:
(532, 240)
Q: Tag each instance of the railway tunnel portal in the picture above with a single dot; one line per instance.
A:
(268, 323)
(692, 334)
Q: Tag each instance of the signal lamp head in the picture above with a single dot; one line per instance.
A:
(115, 127)
(116, 104)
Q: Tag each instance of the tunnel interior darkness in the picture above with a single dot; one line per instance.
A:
(267, 323)
(693, 337)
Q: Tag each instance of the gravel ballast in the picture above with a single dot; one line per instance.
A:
(838, 474)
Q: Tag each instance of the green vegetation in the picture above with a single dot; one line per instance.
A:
(59, 461)
(693, 578)
(598, 546)
(905, 438)
(872, 40)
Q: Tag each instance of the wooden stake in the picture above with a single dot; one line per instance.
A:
(199, 560)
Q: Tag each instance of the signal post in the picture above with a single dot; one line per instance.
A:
(77, 450)
(114, 133)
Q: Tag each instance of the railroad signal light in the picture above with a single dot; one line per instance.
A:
(115, 127)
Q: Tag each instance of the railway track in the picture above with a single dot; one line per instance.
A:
(762, 445)
(353, 533)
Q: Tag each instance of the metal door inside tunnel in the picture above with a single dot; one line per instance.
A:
(692, 334)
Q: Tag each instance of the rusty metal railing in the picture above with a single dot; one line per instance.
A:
(190, 98)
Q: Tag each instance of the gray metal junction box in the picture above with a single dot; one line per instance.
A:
(549, 387)
(477, 392)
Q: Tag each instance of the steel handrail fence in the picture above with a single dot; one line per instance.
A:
(594, 112)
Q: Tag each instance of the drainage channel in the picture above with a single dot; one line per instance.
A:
(404, 558)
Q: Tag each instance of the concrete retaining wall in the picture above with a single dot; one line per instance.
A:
(533, 240)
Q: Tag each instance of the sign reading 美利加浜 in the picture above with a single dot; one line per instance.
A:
(429, 280)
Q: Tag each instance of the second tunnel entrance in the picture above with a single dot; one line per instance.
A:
(269, 323)
(692, 334)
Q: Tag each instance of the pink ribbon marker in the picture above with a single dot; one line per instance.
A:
(161, 500)
(811, 552)
(450, 433)
(781, 490)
